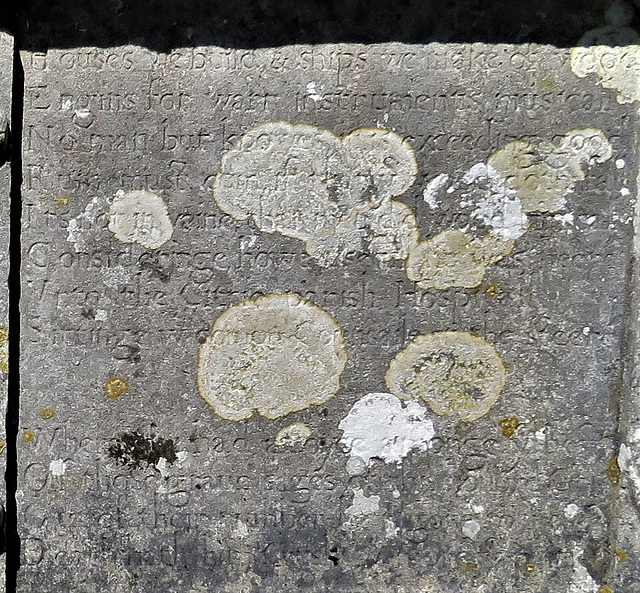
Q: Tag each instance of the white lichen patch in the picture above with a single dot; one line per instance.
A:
(380, 426)
(362, 505)
(581, 581)
(272, 355)
(470, 529)
(305, 183)
(57, 467)
(140, 217)
(455, 373)
(616, 68)
(454, 259)
(83, 226)
(497, 205)
(542, 174)
(293, 435)
(433, 191)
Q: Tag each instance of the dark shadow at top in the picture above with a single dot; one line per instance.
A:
(162, 25)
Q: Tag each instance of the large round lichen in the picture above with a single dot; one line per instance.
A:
(333, 194)
(272, 355)
(455, 373)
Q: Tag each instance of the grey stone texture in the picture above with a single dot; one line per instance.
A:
(163, 191)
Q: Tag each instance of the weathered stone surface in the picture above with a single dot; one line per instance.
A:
(6, 75)
(165, 196)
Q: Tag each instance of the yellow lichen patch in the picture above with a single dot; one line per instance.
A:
(60, 202)
(616, 68)
(509, 426)
(47, 413)
(491, 290)
(28, 436)
(456, 373)
(333, 194)
(530, 568)
(272, 355)
(613, 472)
(454, 259)
(605, 589)
(294, 435)
(622, 555)
(115, 387)
(2, 446)
(4, 348)
(543, 173)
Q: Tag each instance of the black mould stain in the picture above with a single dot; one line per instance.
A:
(136, 450)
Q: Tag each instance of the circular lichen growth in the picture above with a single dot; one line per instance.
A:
(47, 414)
(456, 373)
(115, 387)
(272, 355)
(293, 435)
(28, 436)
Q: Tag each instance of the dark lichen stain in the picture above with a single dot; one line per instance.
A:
(136, 450)
(614, 472)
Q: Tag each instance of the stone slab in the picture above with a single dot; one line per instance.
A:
(217, 301)
(6, 75)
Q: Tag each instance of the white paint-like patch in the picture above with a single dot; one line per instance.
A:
(241, 530)
(470, 529)
(620, 163)
(293, 435)
(101, 315)
(305, 183)
(625, 191)
(589, 221)
(456, 373)
(140, 217)
(312, 92)
(162, 466)
(498, 206)
(272, 355)
(454, 258)
(432, 192)
(629, 462)
(543, 173)
(616, 68)
(57, 467)
(582, 581)
(379, 426)
(362, 505)
(390, 529)
(478, 509)
(586, 330)
(566, 219)
(571, 510)
(82, 227)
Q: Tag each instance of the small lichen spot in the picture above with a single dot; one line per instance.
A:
(509, 426)
(60, 202)
(2, 446)
(28, 436)
(115, 387)
(47, 413)
(4, 348)
(605, 589)
(530, 568)
(294, 435)
(140, 217)
(622, 555)
(491, 290)
(614, 472)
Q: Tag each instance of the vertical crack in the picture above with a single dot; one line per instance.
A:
(13, 404)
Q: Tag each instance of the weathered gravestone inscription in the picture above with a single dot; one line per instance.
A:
(331, 318)
(6, 73)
